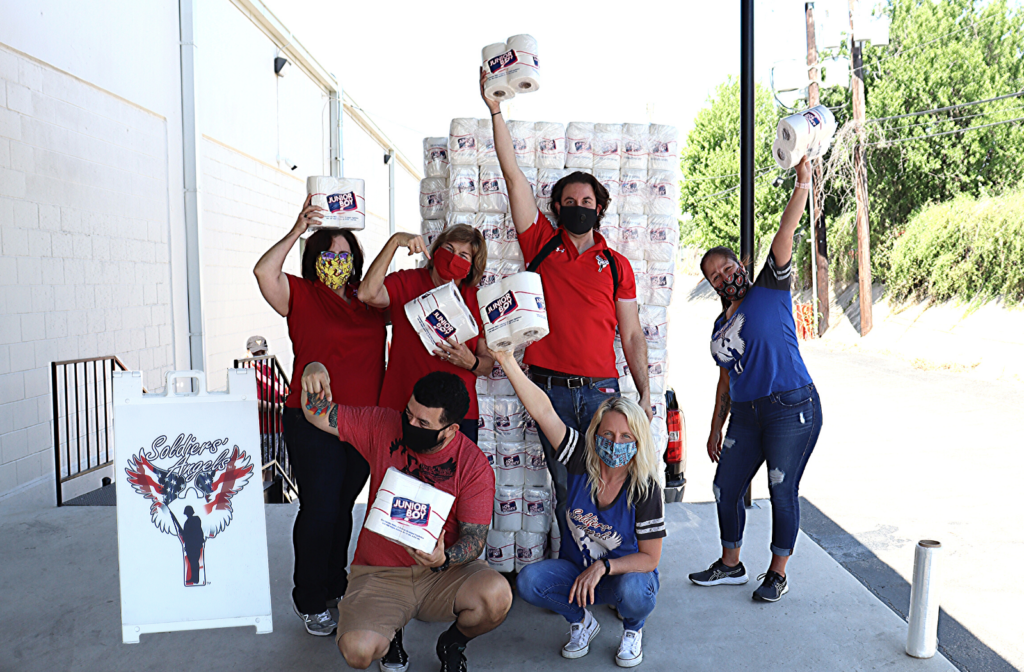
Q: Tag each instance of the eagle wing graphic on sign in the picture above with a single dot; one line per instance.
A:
(159, 486)
(218, 489)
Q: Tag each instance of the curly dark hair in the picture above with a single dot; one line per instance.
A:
(321, 241)
(440, 389)
(720, 251)
(601, 194)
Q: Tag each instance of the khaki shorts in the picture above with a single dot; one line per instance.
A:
(384, 599)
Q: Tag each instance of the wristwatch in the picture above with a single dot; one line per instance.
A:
(607, 568)
(446, 565)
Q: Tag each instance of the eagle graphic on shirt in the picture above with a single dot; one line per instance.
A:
(594, 538)
(428, 473)
(728, 346)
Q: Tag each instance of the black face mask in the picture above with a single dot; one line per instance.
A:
(577, 219)
(418, 439)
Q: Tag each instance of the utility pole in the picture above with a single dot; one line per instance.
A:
(861, 183)
(747, 146)
(817, 225)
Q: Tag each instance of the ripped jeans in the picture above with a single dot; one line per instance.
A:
(781, 428)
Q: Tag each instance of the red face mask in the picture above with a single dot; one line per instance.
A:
(451, 266)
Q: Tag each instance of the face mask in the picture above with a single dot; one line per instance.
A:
(418, 439)
(614, 454)
(576, 219)
(450, 266)
(334, 268)
(734, 287)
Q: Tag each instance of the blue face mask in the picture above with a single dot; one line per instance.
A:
(614, 454)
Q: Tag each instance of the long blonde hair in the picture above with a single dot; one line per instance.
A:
(644, 469)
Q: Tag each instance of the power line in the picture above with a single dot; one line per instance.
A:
(902, 51)
(944, 121)
(944, 109)
(719, 177)
(935, 135)
(720, 194)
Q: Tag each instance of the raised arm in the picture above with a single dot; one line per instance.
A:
(269, 270)
(536, 402)
(372, 291)
(634, 346)
(520, 194)
(723, 403)
(782, 244)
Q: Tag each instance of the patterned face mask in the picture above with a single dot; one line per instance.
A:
(734, 287)
(334, 268)
(614, 454)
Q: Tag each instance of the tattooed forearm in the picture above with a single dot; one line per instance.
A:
(317, 405)
(725, 404)
(332, 418)
(470, 544)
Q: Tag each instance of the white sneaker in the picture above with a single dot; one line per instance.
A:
(580, 635)
(630, 652)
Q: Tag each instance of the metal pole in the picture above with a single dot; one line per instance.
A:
(747, 145)
(817, 223)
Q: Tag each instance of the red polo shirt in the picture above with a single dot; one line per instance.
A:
(346, 337)
(409, 360)
(578, 290)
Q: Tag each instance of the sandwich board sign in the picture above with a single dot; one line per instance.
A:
(191, 528)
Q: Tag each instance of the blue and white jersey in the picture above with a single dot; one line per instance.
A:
(609, 532)
(758, 343)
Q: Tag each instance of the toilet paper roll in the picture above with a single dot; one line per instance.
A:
(462, 142)
(635, 142)
(663, 191)
(342, 201)
(662, 238)
(463, 188)
(633, 190)
(536, 465)
(485, 426)
(611, 232)
(663, 147)
(433, 197)
(485, 154)
(524, 73)
(579, 140)
(799, 132)
(513, 311)
(610, 180)
(632, 237)
(511, 251)
(537, 509)
(501, 550)
(493, 193)
(440, 314)
(510, 461)
(509, 424)
(508, 508)
(408, 511)
(435, 157)
(660, 280)
(531, 547)
(607, 146)
(654, 322)
(497, 58)
(524, 142)
(785, 158)
(550, 144)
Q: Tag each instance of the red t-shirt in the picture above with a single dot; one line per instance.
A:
(578, 291)
(410, 361)
(347, 338)
(460, 469)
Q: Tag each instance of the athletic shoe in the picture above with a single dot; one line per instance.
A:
(773, 588)
(333, 604)
(451, 655)
(396, 659)
(630, 652)
(720, 574)
(580, 636)
(319, 625)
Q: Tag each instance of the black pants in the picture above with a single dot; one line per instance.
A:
(330, 475)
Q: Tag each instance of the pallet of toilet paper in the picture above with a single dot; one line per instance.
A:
(341, 199)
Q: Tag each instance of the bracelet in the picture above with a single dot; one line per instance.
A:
(475, 364)
(446, 565)
(494, 114)
(607, 568)
(803, 185)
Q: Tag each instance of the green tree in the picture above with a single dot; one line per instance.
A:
(710, 203)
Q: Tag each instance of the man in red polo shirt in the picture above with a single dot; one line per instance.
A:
(589, 290)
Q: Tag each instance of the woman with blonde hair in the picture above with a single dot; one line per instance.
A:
(615, 519)
(458, 255)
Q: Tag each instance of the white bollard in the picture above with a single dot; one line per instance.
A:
(924, 601)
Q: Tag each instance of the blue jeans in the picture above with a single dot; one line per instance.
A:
(547, 583)
(782, 429)
(575, 407)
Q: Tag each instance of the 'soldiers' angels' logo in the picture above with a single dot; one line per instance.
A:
(190, 486)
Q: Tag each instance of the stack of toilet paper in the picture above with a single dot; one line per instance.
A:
(439, 315)
(513, 312)
(512, 67)
(806, 134)
(341, 199)
(435, 157)
(408, 511)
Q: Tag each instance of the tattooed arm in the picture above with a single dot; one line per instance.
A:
(470, 544)
(316, 398)
(723, 404)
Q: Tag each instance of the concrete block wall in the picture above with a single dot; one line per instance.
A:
(85, 268)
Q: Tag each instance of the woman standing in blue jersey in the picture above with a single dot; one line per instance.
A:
(776, 413)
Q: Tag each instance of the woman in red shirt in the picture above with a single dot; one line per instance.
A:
(327, 323)
(458, 255)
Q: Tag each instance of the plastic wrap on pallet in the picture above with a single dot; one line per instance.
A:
(433, 197)
(508, 508)
(635, 142)
(610, 180)
(633, 191)
(430, 229)
(662, 238)
(489, 225)
(485, 426)
(463, 188)
(435, 157)
(663, 147)
(657, 369)
(485, 154)
(607, 146)
(511, 251)
(610, 230)
(654, 322)
(509, 423)
(546, 179)
(511, 461)
(489, 448)
(660, 281)
(550, 144)
(524, 142)
(462, 142)
(579, 145)
(663, 193)
(632, 237)
(493, 193)
(531, 547)
(467, 218)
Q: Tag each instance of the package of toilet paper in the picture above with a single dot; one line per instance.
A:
(493, 192)
(342, 201)
(439, 315)
(657, 369)
(524, 142)
(513, 311)
(660, 280)
(485, 427)
(511, 251)
(497, 58)
(467, 218)
(633, 191)
(485, 154)
(510, 463)
(488, 447)
(611, 231)
(462, 142)
(430, 229)
(435, 157)
(609, 179)
(662, 238)
(463, 188)
(536, 509)
(554, 541)
(546, 179)
(531, 176)
(663, 150)
(490, 227)
(492, 273)
(531, 547)
(635, 142)
(408, 511)
(607, 146)
(536, 464)
(498, 385)
(501, 550)
(531, 429)
(550, 144)
(663, 190)
(524, 74)
(508, 508)
(632, 237)
(509, 423)
(654, 322)
(579, 140)
(433, 197)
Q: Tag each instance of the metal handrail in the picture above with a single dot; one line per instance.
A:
(272, 395)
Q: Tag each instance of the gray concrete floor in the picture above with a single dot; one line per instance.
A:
(61, 611)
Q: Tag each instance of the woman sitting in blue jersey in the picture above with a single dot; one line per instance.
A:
(776, 413)
(615, 516)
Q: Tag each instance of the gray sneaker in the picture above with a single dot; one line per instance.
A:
(319, 625)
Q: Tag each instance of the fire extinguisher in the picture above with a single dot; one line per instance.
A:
(675, 453)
